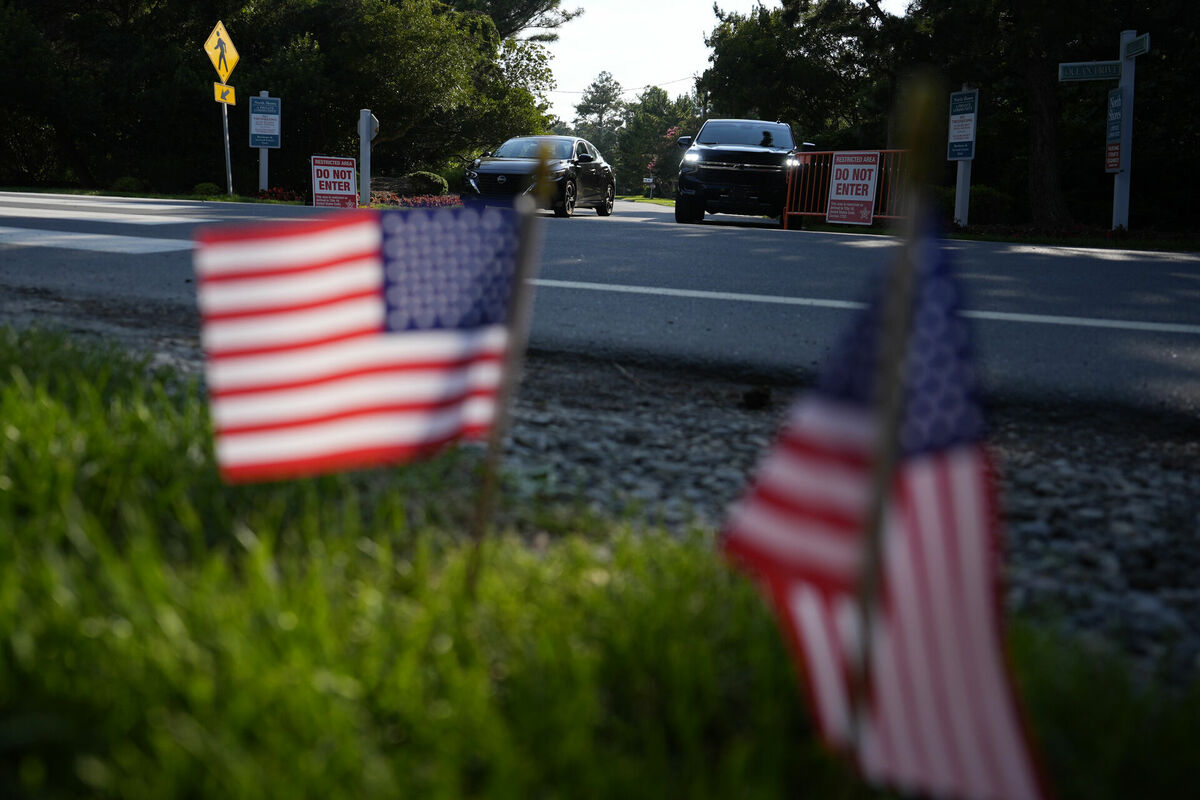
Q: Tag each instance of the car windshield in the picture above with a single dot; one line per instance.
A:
(761, 134)
(528, 148)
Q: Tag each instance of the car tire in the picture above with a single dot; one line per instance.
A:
(566, 206)
(688, 210)
(606, 205)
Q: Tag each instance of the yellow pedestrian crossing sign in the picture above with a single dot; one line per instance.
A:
(221, 52)
(224, 94)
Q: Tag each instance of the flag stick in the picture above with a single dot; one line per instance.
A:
(917, 132)
(519, 310)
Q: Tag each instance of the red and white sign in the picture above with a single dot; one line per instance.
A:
(852, 187)
(333, 182)
(1112, 157)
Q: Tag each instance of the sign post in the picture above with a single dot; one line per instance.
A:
(960, 146)
(852, 187)
(1118, 133)
(368, 126)
(265, 125)
(224, 57)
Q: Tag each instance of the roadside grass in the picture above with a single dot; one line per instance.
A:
(164, 635)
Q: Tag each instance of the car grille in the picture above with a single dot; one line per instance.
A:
(748, 175)
(512, 184)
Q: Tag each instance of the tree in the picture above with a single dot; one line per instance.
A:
(123, 88)
(646, 143)
(515, 16)
(599, 112)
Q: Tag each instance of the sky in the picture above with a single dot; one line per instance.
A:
(642, 43)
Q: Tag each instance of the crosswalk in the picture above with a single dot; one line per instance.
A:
(36, 220)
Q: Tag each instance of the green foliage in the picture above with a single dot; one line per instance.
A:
(127, 184)
(116, 88)
(164, 635)
(206, 189)
(427, 183)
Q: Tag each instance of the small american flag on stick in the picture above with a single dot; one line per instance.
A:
(355, 339)
(932, 711)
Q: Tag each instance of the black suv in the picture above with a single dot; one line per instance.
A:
(734, 166)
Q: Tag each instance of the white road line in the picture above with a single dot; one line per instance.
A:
(996, 316)
(100, 216)
(95, 242)
(123, 203)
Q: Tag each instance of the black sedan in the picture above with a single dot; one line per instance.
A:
(580, 175)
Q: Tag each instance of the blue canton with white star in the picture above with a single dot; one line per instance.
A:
(448, 268)
(941, 406)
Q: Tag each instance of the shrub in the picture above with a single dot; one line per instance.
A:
(127, 183)
(427, 183)
(206, 189)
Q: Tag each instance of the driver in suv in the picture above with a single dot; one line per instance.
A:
(734, 166)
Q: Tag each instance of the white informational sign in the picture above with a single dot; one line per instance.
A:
(333, 182)
(852, 187)
(964, 107)
(265, 121)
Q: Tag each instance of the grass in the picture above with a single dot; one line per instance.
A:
(164, 635)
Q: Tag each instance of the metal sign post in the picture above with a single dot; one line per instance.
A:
(1118, 146)
(224, 57)
(368, 126)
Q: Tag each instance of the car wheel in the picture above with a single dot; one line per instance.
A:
(606, 207)
(566, 206)
(688, 210)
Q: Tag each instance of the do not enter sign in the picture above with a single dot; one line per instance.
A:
(852, 187)
(333, 182)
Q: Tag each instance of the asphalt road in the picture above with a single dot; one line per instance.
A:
(733, 295)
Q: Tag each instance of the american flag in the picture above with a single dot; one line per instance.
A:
(937, 714)
(356, 339)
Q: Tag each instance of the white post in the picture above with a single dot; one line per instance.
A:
(364, 157)
(1120, 217)
(263, 185)
(962, 193)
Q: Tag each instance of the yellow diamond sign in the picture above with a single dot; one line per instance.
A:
(221, 52)
(224, 94)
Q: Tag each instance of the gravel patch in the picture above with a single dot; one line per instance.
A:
(1101, 505)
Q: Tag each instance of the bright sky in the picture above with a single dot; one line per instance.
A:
(642, 43)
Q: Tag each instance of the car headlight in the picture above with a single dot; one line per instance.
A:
(472, 174)
(792, 161)
(691, 157)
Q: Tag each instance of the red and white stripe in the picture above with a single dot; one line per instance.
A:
(302, 376)
(941, 718)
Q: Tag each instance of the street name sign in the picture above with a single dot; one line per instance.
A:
(221, 52)
(964, 112)
(265, 121)
(223, 93)
(852, 187)
(1089, 71)
(1137, 47)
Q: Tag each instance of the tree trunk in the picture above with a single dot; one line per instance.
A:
(1047, 205)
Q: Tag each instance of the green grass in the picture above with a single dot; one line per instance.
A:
(163, 635)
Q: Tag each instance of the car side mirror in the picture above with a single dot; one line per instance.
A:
(684, 141)
(584, 158)
(486, 153)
